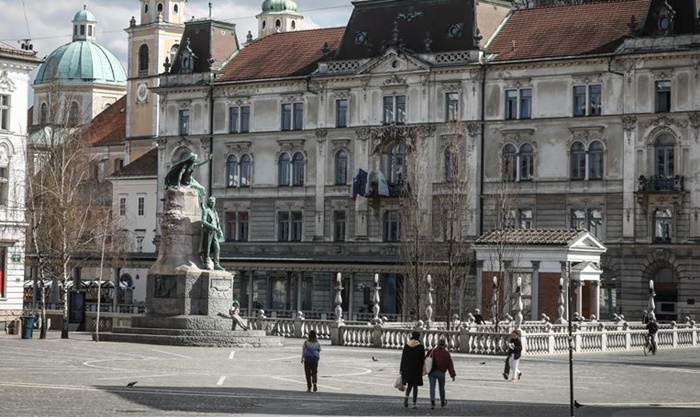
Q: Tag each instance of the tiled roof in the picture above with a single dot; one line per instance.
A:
(109, 126)
(542, 237)
(281, 55)
(145, 165)
(570, 30)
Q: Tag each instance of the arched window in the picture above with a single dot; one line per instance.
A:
(298, 169)
(232, 171)
(397, 162)
(283, 166)
(341, 167)
(74, 114)
(43, 114)
(578, 161)
(527, 162)
(510, 163)
(173, 52)
(664, 156)
(595, 161)
(244, 169)
(143, 60)
(159, 7)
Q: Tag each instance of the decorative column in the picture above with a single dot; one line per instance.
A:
(518, 303)
(375, 302)
(429, 307)
(561, 319)
(339, 298)
(652, 304)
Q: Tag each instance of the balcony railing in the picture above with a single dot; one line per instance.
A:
(656, 183)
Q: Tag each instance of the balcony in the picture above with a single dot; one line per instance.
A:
(659, 190)
(658, 183)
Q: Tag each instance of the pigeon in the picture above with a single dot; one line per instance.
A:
(131, 384)
(577, 404)
(482, 363)
(375, 359)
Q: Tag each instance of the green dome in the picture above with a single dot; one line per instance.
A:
(84, 15)
(276, 6)
(81, 62)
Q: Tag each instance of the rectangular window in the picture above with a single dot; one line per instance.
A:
(287, 116)
(511, 104)
(662, 225)
(525, 219)
(518, 104)
(394, 110)
(588, 219)
(122, 206)
(141, 205)
(579, 101)
(237, 226)
(525, 103)
(298, 116)
(297, 223)
(392, 226)
(239, 119)
(338, 226)
(139, 244)
(587, 100)
(663, 97)
(184, 122)
(4, 112)
(451, 107)
(82, 29)
(289, 226)
(341, 113)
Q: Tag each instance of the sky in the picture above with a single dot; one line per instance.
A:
(48, 22)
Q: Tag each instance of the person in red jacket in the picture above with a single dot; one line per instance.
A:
(442, 363)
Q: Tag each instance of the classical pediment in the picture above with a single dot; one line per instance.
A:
(392, 62)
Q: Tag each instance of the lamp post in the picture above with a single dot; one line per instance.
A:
(518, 303)
(494, 302)
(652, 304)
(339, 298)
(571, 338)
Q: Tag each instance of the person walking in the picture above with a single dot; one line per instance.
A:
(515, 348)
(442, 363)
(310, 355)
(412, 360)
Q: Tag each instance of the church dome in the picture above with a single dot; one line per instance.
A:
(83, 60)
(276, 6)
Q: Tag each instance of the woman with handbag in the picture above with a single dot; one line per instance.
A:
(412, 359)
(441, 363)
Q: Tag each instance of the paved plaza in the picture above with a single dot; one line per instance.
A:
(79, 377)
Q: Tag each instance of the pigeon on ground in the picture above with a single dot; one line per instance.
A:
(374, 359)
(131, 384)
(577, 404)
(482, 363)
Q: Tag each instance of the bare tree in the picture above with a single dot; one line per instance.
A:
(451, 200)
(415, 205)
(66, 204)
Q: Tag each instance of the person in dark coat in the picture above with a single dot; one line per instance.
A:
(412, 360)
(515, 348)
(442, 363)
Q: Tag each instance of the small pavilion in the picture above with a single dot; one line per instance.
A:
(548, 261)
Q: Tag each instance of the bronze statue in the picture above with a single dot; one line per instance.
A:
(181, 175)
(211, 237)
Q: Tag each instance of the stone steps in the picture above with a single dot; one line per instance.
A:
(192, 337)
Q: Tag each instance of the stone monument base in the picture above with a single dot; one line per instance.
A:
(189, 331)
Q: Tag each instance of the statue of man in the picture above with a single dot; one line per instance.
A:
(211, 236)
